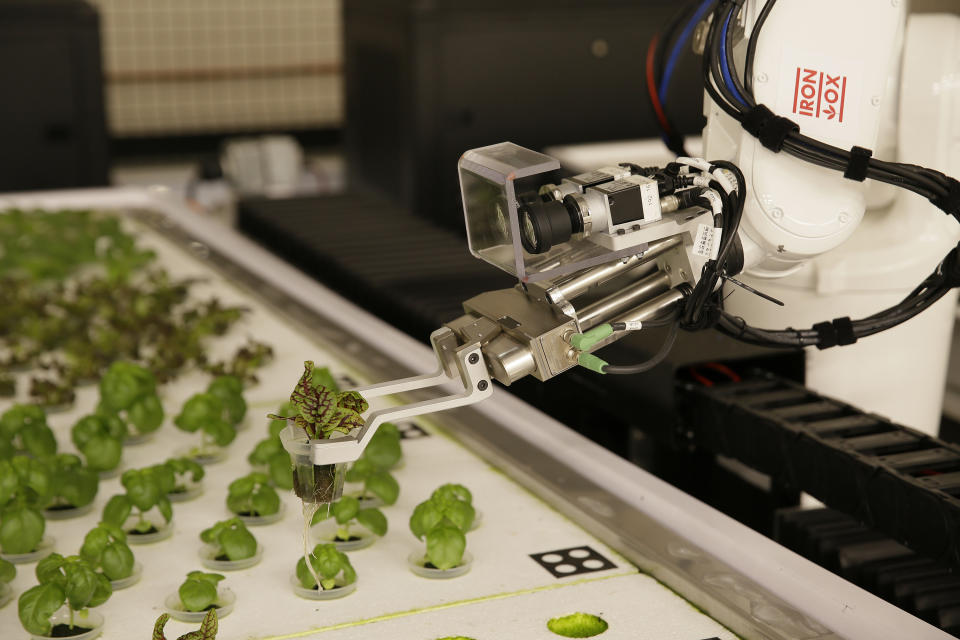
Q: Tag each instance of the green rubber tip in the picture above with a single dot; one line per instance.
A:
(592, 362)
(585, 341)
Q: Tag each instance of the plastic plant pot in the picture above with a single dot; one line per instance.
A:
(224, 605)
(208, 560)
(339, 591)
(91, 620)
(259, 521)
(326, 531)
(112, 473)
(43, 549)
(58, 408)
(312, 483)
(162, 531)
(6, 594)
(210, 454)
(139, 438)
(66, 513)
(477, 519)
(418, 561)
(130, 580)
(190, 491)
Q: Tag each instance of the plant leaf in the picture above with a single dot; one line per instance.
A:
(352, 401)
(238, 543)
(21, 529)
(197, 594)
(445, 546)
(345, 509)
(159, 625)
(117, 510)
(384, 486)
(37, 604)
(374, 520)
(208, 628)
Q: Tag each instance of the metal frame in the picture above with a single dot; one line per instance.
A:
(741, 578)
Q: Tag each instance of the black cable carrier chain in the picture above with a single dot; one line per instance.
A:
(895, 479)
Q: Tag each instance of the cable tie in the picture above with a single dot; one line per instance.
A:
(950, 202)
(772, 130)
(826, 335)
(859, 164)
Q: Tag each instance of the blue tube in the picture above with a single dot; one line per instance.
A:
(724, 64)
(678, 46)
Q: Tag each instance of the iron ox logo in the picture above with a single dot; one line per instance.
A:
(818, 94)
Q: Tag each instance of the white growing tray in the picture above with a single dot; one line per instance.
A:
(503, 578)
(740, 577)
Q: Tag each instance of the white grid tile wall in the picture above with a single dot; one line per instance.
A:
(206, 66)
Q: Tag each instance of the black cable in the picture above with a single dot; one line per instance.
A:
(659, 357)
(752, 46)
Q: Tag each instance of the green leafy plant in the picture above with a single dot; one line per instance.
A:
(130, 391)
(199, 591)
(105, 548)
(51, 393)
(72, 484)
(347, 512)
(214, 413)
(207, 630)
(375, 482)
(321, 411)
(8, 571)
(181, 468)
(245, 362)
(329, 565)
(442, 522)
(230, 391)
(270, 453)
(8, 386)
(23, 428)
(252, 495)
(99, 437)
(231, 540)
(145, 489)
(67, 580)
(25, 488)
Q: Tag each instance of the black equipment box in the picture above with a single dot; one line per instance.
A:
(52, 120)
(428, 79)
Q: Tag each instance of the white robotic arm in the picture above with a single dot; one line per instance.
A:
(603, 253)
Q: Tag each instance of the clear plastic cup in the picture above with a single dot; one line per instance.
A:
(259, 521)
(191, 490)
(89, 619)
(43, 549)
(130, 580)
(339, 591)
(208, 559)
(224, 605)
(418, 560)
(66, 514)
(163, 531)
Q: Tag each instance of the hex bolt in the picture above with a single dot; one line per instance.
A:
(482, 385)
(473, 359)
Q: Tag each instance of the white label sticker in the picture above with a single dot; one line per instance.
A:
(633, 325)
(650, 193)
(716, 204)
(707, 242)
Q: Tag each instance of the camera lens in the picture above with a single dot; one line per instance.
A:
(543, 225)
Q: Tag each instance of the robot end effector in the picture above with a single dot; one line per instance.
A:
(597, 256)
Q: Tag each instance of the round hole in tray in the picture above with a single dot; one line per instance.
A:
(202, 455)
(326, 531)
(257, 521)
(130, 580)
(207, 559)
(43, 549)
(578, 625)
(67, 513)
(163, 531)
(224, 605)
(565, 568)
(417, 561)
(578, 553)
(593, 563)
(552, 558)
(190, 491)
(340, 591)
(91, 620)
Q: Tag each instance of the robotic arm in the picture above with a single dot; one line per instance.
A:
(603, 253)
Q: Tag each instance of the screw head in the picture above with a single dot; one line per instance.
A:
(482, 385)
(473, 359)
(762, 77)
(776, 213)
(875, 101)
(843, 217)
